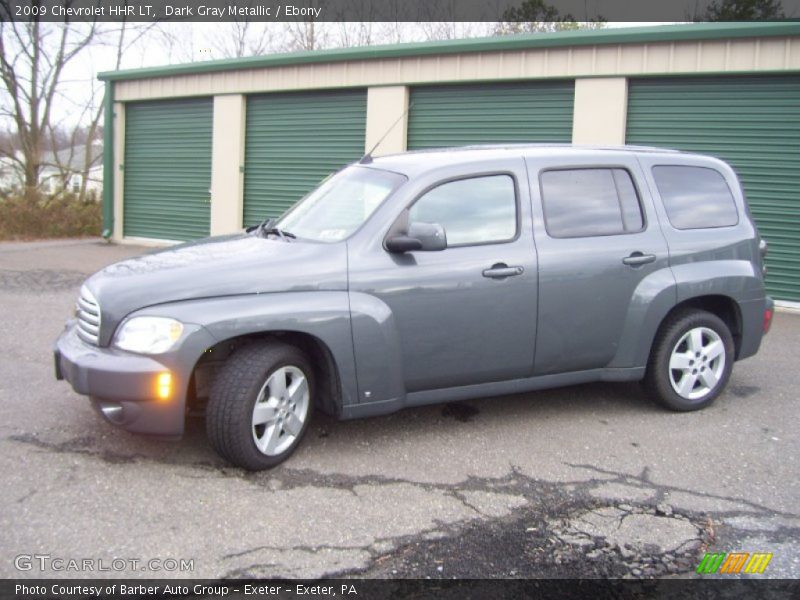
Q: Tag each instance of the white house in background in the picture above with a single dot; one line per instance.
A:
(51, 179)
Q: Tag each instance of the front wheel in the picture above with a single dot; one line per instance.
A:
(691, 361)
(260, 405)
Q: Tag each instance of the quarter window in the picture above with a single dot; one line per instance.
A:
(590, 202)
(695, 197)
(477, 210)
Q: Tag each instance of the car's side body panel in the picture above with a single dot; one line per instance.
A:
(415, 328)
(720, 261)
(217, 267)
(322, 315)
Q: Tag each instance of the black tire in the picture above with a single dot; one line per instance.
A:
(229, 415)
(658, 377)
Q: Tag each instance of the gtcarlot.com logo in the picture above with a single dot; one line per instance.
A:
(733, 563)
(48, 562)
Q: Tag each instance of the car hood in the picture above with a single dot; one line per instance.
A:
(213, 267)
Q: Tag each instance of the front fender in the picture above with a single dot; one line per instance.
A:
(379, 361)
(322, 314)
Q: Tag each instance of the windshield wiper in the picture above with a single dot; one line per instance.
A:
(267, 227)
(284, 235)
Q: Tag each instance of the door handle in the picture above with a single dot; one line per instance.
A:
(502, 270)
(637, 259)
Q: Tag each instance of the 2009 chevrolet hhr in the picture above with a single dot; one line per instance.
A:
(431, 277)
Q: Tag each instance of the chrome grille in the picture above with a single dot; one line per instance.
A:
(88, 313)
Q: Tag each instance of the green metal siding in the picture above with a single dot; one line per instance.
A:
(456, 115)
(754, 124)
(293, 141)
(168, 169)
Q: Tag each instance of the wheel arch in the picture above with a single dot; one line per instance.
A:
(720, 305)
(326, 371)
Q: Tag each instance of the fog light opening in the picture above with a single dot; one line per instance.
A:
(112, 411)
(164, 386)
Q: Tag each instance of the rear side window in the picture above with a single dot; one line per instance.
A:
(478, 210)
(695, 197)
(589, 202)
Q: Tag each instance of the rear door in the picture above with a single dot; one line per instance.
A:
(597, 238)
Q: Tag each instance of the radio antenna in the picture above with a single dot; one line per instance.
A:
(367, 158)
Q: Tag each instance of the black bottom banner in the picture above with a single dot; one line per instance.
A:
(461, 589)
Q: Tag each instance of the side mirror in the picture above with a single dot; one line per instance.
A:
(420, 236)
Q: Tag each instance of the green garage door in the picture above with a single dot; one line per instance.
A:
(457, 115)
(754, 124)
(168, 169)
(293, 141)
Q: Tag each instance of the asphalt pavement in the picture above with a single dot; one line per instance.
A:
(592, 480)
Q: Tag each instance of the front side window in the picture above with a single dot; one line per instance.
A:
(477, 210)
(340, 204)
(695, 197)
(590, 202)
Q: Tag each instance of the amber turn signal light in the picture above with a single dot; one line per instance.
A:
(164, 386)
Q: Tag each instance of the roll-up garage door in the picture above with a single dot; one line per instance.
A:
(753, 123)
(457, 115)
(293, 141)
(167, 169)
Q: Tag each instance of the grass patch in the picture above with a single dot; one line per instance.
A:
(40, 217)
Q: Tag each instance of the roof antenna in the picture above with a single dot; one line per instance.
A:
(367, 158)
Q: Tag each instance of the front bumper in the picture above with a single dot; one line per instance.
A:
(123, 386)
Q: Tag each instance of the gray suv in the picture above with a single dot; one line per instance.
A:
(432, 277)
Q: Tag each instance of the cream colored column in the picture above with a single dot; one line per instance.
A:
(227, 160)
(385, 105)
(119, 174)
(601, 111)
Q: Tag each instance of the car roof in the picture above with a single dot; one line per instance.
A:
(418, 161)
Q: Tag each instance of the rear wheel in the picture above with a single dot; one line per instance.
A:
(691, 360)
(260, 405)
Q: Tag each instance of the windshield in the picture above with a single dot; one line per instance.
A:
(340, 204)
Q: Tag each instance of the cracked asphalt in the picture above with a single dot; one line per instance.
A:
(585, 481)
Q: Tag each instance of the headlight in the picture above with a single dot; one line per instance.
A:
(148, 335)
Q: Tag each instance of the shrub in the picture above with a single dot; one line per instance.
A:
(41, 216)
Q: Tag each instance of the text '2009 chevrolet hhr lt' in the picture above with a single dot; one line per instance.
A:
(432, 277)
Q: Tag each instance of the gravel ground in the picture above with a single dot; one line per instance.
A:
(591, 481)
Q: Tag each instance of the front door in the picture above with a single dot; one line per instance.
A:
(466, 314)
(598, 240)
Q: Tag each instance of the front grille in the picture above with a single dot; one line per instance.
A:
(88, 313)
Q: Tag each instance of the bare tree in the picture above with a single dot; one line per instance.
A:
(537, 16)
(454, 30)
(743, 10)
(360, 33)
(176, 40)
(33, 56)
(305, 35)
(241, 38)
(81, 154)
